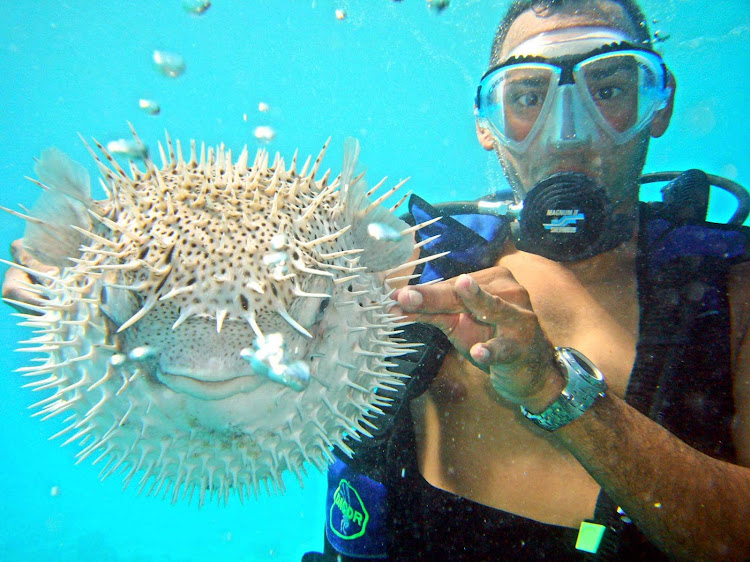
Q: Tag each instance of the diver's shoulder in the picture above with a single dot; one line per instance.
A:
(738, 288)
(739, 280)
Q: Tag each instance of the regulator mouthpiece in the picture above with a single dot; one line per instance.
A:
(568, 217)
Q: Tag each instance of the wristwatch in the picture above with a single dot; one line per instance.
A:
(585, 383)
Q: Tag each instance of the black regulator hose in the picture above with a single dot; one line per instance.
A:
(732, 187)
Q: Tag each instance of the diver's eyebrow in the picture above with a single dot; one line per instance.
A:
(608, 71)
(527, 81)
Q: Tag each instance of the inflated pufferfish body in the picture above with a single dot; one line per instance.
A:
(219, 324)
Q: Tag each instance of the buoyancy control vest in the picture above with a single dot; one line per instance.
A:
(681, 377)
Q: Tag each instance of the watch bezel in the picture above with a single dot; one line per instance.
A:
(584, 385)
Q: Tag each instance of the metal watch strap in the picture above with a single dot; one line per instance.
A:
(585, 383)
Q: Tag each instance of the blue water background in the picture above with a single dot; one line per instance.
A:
(396, 75)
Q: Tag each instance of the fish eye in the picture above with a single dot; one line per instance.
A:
(321, 309)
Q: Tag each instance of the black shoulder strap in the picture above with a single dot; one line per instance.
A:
(682, 377)
(683, 359)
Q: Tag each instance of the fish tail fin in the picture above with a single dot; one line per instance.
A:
(379, 255)
(349, 166)
(64, 203)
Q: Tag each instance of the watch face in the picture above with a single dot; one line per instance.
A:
(580, 361)
(587, 367)
(585, 384)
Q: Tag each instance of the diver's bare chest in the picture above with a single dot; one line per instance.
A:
(594, 313)
(473, 444)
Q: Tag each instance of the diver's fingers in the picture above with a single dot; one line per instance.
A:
(23, 257)
(444, 297)
(495, 309)
(434, 299)
(445, 322)
(497, 352)
(17, 291)
(460, 328)
(19, 253)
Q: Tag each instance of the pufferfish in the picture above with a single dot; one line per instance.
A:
(213, 325)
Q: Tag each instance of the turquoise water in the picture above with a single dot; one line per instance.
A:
(396, 75)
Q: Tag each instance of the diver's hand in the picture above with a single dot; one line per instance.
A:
(489, 319)
(17, 282)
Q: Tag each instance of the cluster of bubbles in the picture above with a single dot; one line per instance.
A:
(277, 259)
(130, 148)
(172, 65)
(436, 5)
(196, 7)
(380, 231)
(659, 35)
(268, 357)
(169, 64)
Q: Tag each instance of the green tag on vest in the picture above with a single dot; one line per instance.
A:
(589, 537)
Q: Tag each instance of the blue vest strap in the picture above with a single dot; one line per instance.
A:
(473, 240)
(355, 513)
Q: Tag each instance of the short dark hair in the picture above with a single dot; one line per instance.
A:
(630, 7)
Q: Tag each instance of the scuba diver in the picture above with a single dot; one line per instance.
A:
(583, 391)
(584, 387)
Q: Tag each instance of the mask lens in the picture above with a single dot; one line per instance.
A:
(622, 90)
(513, 98)
(625, 88)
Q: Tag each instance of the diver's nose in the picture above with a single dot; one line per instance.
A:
(568, 129)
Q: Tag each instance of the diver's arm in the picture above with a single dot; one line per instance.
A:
(17, 283)
(690, 505)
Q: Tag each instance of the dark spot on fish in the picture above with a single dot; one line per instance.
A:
(244, 303)
(168, 259)
(321, 309)
(161, 283)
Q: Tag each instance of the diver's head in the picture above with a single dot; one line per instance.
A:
(570, 100)
(573, 86)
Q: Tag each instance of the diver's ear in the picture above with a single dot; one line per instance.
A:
(485, 137)
(661, 120)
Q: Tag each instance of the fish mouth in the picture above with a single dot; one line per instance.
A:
(209, 390)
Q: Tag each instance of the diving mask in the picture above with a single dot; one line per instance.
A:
(548, 89)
